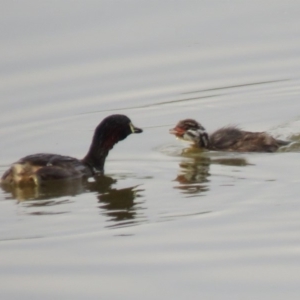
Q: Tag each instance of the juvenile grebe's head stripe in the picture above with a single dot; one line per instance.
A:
(204, 140)
(190, 124)
(199, 136)
(191, 130)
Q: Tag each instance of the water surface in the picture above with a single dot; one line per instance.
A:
(164, 222)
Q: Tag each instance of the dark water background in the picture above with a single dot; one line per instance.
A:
(163, 223)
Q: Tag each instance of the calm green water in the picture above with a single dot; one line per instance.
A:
(163, 223)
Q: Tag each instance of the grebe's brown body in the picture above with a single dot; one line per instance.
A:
(228, 138)
(37, 168)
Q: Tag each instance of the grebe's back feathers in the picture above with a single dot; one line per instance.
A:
(33, 169)
(232, 138)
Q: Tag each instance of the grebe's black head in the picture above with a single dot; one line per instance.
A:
(115, 128)
(192, 131)
(110, 131)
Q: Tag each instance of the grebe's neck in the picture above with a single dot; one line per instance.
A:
(96, 160)
(103, 141)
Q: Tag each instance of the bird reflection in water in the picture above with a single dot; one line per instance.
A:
(57, 189)
(43, 192)
(118, 204)
(121, 206)
(194, 173)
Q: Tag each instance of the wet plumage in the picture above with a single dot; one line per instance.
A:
(37, 168)
(229, 138)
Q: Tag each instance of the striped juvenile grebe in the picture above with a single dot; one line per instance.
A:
(228, 138)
